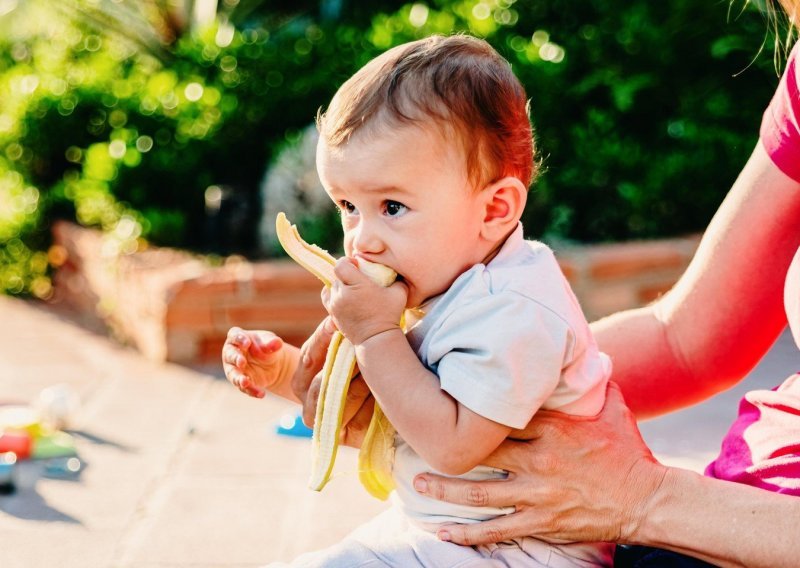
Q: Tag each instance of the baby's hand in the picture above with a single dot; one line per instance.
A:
(360, 308)
(254, 361)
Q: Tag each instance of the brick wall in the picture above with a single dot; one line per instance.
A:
(174, 306)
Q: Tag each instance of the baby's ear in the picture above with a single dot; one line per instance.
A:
(504, 201)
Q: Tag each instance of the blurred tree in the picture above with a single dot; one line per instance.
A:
(125, 115)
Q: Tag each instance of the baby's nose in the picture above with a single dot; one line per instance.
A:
(367, 239)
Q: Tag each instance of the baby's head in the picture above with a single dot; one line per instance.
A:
(457, 85)
(427, 151)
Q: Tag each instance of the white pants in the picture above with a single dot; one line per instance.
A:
(390, 539)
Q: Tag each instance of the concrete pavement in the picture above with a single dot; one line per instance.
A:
(184, 471)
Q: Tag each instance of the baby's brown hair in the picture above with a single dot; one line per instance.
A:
(462, 84)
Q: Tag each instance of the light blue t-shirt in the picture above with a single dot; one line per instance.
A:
(505, 339)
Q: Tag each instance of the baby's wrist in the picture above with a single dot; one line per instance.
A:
(377, 336)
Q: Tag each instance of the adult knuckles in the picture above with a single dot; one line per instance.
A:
(471, 535)
(470, 493)
(546, 464)
(495, 534)
(476, 495)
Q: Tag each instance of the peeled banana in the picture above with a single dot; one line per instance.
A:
(376, 455)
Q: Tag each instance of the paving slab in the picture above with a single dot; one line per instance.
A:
(184, 471)
(181, 469)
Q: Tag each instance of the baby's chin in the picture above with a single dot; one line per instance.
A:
(415, 300)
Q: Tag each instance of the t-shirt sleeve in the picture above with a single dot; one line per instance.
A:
(780, 125)
(500, 356)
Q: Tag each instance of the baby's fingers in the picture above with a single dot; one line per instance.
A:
(238, 337)
(243, 382)
(233, 355)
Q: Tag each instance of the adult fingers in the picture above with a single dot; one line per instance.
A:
(312, 358)
(310, 401)
(357, 394)
(357, 413)
(615, 408)
(499, 529)
(491, 493)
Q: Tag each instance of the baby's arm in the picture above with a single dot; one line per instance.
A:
(446, 434)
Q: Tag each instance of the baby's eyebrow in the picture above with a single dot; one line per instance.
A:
(389, 189)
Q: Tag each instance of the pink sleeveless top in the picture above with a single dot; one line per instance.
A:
(762, 448)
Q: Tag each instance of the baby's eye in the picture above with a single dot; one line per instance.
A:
(347, 208)
(394, 208)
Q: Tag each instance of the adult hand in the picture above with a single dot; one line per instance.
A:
(575, 479)
(307, 381)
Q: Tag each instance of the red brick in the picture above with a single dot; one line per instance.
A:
(569, 269)
(295, 316)
(198, 318)
(172, 305)
(621, 263)
(649, 293)
(209, 349)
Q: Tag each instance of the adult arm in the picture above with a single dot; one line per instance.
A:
(610, 488)
(594, 479)
(724, 313)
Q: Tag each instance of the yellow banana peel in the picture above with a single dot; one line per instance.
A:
(377, 451)
(377, 455)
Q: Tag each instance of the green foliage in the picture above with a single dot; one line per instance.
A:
(644, 113)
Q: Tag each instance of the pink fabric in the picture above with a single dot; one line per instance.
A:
(780, 126)
(762, 447)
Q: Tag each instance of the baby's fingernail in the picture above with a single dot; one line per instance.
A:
(443, 535)
(240, 338)
(240, 361)
(420, 485)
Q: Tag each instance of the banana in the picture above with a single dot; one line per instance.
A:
(376, 455)
(314, 259)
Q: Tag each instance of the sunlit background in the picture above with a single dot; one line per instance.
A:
(181, 123)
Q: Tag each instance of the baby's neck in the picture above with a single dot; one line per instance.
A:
(496, 248)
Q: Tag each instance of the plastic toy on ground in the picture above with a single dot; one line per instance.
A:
(292, 425)
(8, 461)
(18, 442)
(32, 436)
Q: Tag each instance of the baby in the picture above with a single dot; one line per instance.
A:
(428, 153)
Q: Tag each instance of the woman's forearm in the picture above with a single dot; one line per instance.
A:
(725, 523)
(642, 372)
(724, 313)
